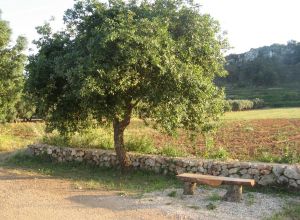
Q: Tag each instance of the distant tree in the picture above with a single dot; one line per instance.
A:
(26, 107)
(158, 59)
(11, 72)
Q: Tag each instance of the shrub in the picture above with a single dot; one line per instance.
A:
(172, 152)
(141, 145)
(287, 155)
(258, 103)
(216, 153)
(243, 104)
(239, 105)
(90, 138)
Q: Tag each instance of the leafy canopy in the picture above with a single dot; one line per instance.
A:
(157, 59)
(11, 72)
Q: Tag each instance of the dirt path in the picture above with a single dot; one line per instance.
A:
(31, 196)
(41, 197)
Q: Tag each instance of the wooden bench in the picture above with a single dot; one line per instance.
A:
(234, 193)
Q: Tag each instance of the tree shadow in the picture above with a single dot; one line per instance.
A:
(111, 202)
(6, 174)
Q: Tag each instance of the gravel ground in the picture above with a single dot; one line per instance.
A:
(31, 196)
(254, 205)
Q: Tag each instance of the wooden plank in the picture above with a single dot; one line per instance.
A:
(214, 180)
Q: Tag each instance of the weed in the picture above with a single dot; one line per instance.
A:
(172, 152)
(141, 145)
(250, 199)
(278, 191)
(249, 129)
(89, 138)
(121, 194)
(291, 211)
(287, 156)
(172, 194)
(193, 207)
(214, 197)
(211, 206)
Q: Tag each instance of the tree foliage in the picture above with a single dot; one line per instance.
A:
(157, 59)
(11, 72)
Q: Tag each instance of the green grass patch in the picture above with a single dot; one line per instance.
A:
(290, 212)
(90, 177)
(89, 138)
(214, 197)
(141, 145)
(272, 190)
(172, 152)
(287, 113)
(14, 136)
(193, 207)
(172, 194)
(250, 200)
(287, 155)
(211, 206)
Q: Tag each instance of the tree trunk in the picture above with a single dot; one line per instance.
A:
(119, 127)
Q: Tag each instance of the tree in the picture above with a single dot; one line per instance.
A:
(158, 59)
(11, 72)
(26, 107)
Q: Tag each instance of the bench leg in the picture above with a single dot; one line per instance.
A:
(189, 188)
(234, 194)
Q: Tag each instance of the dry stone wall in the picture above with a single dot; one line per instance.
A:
(264, 173)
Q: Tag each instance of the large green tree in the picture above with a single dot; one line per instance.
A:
(11, 72)
(157, 59)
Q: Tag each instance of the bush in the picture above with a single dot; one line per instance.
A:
(258, 103)
(172, 152)
(243, 104)
(141, 145)
(89, 138)
(239, 105)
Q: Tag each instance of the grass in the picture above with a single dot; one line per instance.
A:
(250, 200)
(90, 177)
(211, 206)
(214, 197)
(194, 207)
(17, 135)
(271, 190)
(286, 113)
(290, 212)
(172, 194)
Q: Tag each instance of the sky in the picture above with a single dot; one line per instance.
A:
(249, 23)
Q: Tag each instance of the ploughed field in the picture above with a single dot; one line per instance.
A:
(264, 139)
(271, 135)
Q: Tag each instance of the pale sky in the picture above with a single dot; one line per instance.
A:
(249, 23)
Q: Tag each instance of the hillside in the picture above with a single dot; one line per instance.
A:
(270, 72)
(265, 66)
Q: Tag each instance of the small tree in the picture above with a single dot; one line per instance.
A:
(11, 72)
(158, 59)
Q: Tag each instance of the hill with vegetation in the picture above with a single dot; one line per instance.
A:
(271, 73)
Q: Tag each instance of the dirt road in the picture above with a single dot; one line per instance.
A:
(25, 196)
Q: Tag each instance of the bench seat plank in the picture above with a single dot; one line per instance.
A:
(214, 180)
